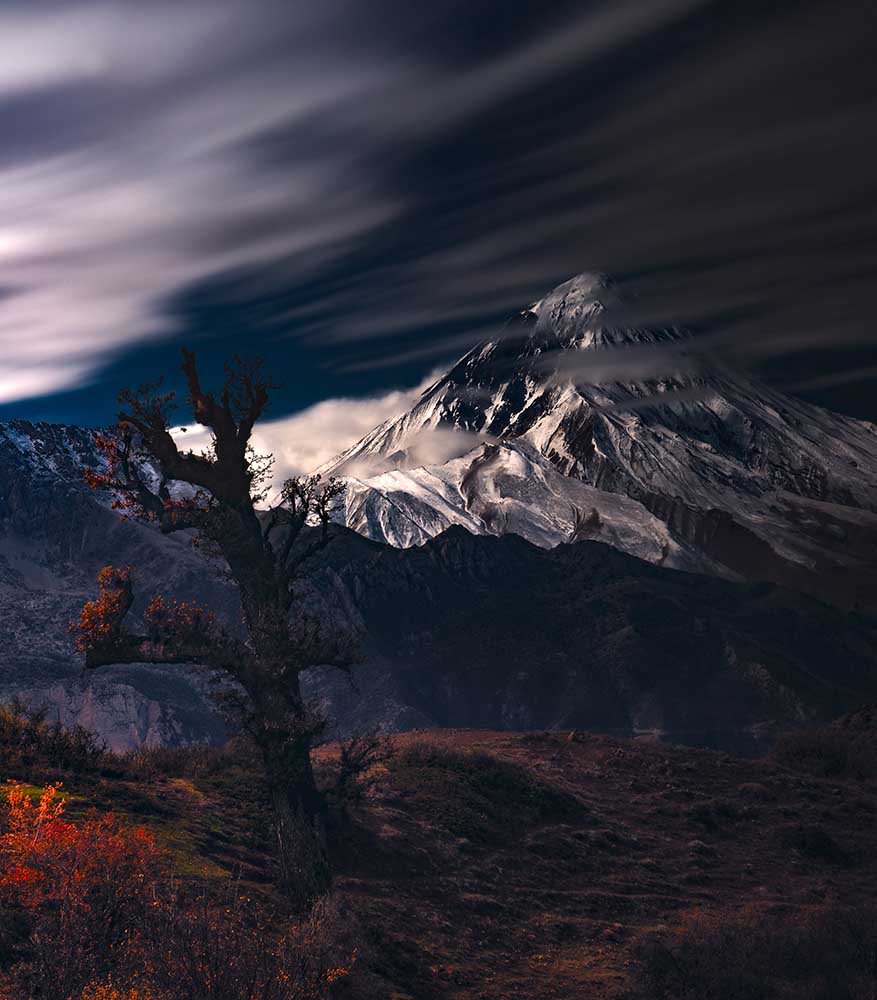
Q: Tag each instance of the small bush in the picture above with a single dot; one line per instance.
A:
(359, 765)
(821, 954)
(37, 750)
(191, 761)
(82, 888)
(475, 795)
(203, 951)
(829, 752)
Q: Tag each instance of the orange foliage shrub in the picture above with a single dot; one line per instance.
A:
(86, 888)
(58, 862)
(106, 920)
(100, 620)
(102, 616)
(177, 621)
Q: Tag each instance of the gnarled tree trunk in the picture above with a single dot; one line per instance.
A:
(282, 641)
(299, 826)
(284, 736)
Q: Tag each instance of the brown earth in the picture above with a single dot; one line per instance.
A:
(552, 908)
(524, 866)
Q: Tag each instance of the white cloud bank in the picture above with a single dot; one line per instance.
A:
(307, 440)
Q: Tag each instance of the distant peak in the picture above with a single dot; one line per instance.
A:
(586, 291)
(590, 310)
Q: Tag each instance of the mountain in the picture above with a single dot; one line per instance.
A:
(463, 630)
(644, 538)
(579, 423)
(480, 631)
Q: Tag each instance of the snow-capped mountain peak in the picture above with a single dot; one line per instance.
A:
(502, 387)
(575, 390)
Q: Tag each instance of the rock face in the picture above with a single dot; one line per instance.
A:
(664, 457)
(55, 534)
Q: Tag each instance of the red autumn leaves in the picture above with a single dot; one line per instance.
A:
(98, 871)
(101, 618)
(183, 623)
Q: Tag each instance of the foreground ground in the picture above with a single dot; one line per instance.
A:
(535, 871)
(550, 908)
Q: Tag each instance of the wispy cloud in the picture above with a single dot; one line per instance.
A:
(158, 187)
(305, 441)
(399, 178)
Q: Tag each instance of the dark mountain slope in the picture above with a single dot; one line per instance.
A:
(479, 631)
(55, 535)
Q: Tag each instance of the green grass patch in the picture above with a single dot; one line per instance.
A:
(33, 792)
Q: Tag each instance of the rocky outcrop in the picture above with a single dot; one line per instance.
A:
(138, 707)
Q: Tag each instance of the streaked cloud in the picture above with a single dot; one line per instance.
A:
(156, 187)
(389, 181)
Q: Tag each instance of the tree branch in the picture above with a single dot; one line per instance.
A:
(177, 632)
(205, 409)
(222, 653)
(295, 524)
(194, 469)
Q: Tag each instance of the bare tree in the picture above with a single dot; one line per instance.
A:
(220, 490)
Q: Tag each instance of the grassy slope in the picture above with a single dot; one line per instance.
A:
(531, 877)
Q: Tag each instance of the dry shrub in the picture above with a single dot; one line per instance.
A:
(36, 749)
(829, 752)
(190, 761)
(359, 762)
(200, 950)
(813, 954)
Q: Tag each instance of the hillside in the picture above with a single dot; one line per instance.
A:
(540, 869)
(55, 535)
(498, 633)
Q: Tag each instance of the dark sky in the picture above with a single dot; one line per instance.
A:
(360, 191)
